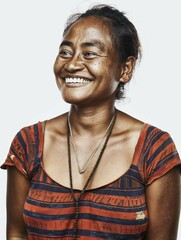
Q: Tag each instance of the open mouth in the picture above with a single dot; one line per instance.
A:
(76, 81)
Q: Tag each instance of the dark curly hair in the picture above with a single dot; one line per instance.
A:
(123, 33)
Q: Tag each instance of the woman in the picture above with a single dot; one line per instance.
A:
(94, 172)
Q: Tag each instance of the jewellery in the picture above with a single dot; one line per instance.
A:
(86, 164)
(78, 198)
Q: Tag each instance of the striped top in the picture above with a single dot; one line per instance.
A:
(115, 211)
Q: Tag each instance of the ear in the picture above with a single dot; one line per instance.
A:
(127, 69)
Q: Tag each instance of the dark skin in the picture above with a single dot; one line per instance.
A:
(164, 206)
(92, 57)
(15, 201)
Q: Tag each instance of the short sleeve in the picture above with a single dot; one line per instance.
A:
(25, 150)
(160, 155)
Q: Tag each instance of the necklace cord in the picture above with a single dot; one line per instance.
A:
(85, 166)
(77, 199)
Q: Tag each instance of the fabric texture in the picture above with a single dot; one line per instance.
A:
(115, 211)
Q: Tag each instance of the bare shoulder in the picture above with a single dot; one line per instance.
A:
(57, 125)
(128, 124)
(127, 131)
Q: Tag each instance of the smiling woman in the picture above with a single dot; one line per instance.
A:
(94, 172)
(89, 58)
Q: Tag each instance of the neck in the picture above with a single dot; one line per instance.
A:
(91, 121)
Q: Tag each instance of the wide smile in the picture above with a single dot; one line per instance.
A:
(76, 81)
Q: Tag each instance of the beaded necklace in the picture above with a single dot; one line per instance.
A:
(78, 198)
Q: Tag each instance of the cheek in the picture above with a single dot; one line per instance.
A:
(57, 66)
(97, 68)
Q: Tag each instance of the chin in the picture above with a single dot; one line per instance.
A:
(74, 100)
(74, 97)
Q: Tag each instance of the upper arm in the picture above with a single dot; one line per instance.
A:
(17, 191)
(163, 201)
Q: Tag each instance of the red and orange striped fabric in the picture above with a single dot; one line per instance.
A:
(115, 211)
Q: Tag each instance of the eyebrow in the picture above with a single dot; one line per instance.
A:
(85, 44)
(66, 43)
(93, 44)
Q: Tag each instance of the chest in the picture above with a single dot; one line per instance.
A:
(111, 162)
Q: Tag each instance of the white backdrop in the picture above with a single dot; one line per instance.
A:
(30, 35)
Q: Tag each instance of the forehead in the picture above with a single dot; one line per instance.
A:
(89, 29)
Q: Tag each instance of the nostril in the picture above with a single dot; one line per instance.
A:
(74, 66)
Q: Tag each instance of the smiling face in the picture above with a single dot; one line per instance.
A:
(87, 68)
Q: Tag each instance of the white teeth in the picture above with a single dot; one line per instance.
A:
(75, 80)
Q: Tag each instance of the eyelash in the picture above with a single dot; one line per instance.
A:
(65, 54)
(87, 55)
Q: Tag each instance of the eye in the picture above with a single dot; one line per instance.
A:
(89, 55)
(65, 53)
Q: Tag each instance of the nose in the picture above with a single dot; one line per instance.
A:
(74, 64)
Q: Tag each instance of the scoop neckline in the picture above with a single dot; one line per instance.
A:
(137, 151)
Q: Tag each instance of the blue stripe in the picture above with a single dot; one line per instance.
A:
(44, 177)
(36, 166)
(50, 205)
(85, 216)
(49, 233)
(119, 192)
(153, 140)
(168, 158)
(149, 130)
(23, 144)
(50, 188)
(48, 217)
(36, 140)
(96, 234)
(158, 150)
(133, 173)
(110, 236)
(102, 191)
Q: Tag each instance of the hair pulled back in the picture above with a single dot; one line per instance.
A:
(123, 32)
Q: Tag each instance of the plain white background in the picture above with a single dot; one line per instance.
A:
(30, 36)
